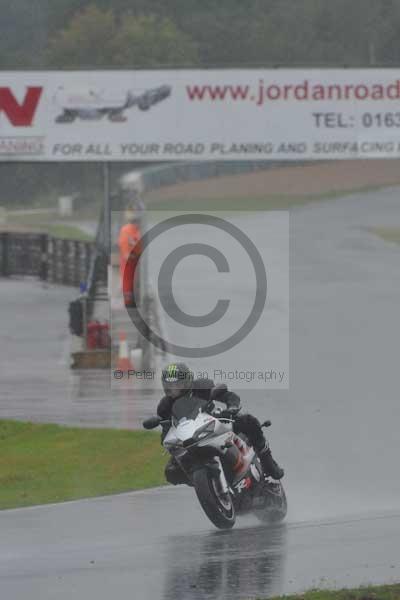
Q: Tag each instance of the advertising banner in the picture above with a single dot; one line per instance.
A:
(235, 114)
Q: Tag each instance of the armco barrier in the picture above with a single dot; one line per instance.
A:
(173, 173)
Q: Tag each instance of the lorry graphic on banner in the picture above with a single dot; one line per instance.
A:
(90, 104)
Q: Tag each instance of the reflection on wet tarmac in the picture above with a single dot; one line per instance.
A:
(238, 564)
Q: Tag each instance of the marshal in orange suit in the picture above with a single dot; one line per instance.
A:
(129, 254)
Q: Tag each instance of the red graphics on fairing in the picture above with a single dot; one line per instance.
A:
(20, 113)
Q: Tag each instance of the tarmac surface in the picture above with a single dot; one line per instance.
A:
(36, 381)
(159, 545)
(335, 431)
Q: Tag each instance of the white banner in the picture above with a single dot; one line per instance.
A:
(200, 115)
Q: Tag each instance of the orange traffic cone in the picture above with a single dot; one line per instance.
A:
(123, 363)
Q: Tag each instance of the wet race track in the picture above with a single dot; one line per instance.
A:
(158, 545)
(335, 432)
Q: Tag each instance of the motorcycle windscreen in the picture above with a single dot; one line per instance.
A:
(188, 406)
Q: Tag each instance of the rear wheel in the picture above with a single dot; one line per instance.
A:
(217, 505)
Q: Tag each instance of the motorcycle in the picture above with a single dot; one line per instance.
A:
(222, 467)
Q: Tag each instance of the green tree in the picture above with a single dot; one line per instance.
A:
(88, 40)
(235, 32)
(96, 38)
(150, 41)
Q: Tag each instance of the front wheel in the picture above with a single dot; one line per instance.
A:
(217, 505)
(276, 503)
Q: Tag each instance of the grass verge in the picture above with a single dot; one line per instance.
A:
(69, 232)
(51, 463)
(384, 592)
(269, 202)
(389, 234)
(47, 222)
(40, 224)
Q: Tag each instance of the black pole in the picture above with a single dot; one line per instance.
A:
(43, 275)
(5, 254)
(107, 210)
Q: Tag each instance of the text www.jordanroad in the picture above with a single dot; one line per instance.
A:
(302, 91)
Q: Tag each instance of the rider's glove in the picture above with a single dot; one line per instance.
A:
(224, 414)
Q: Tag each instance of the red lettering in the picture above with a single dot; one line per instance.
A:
(301, 91)
(347, 91)
(273, 92)
(361, 92)
(286, 91)
(334, 90)
(20, 115)
(393, 91)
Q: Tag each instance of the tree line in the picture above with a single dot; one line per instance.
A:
(201, 33)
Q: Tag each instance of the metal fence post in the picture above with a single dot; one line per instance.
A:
(84, 301)
(43, 268)
(4, 254)
(87, 254)
(107, 210)
(65, 245)
(76, 275)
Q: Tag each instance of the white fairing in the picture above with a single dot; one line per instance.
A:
(186, 428)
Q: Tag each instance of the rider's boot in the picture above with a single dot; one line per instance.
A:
(251, 427)
(270, 466)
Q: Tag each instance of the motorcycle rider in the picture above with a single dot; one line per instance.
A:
(177, 380)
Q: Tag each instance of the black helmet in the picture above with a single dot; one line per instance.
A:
(202, 387)
(177, 379)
